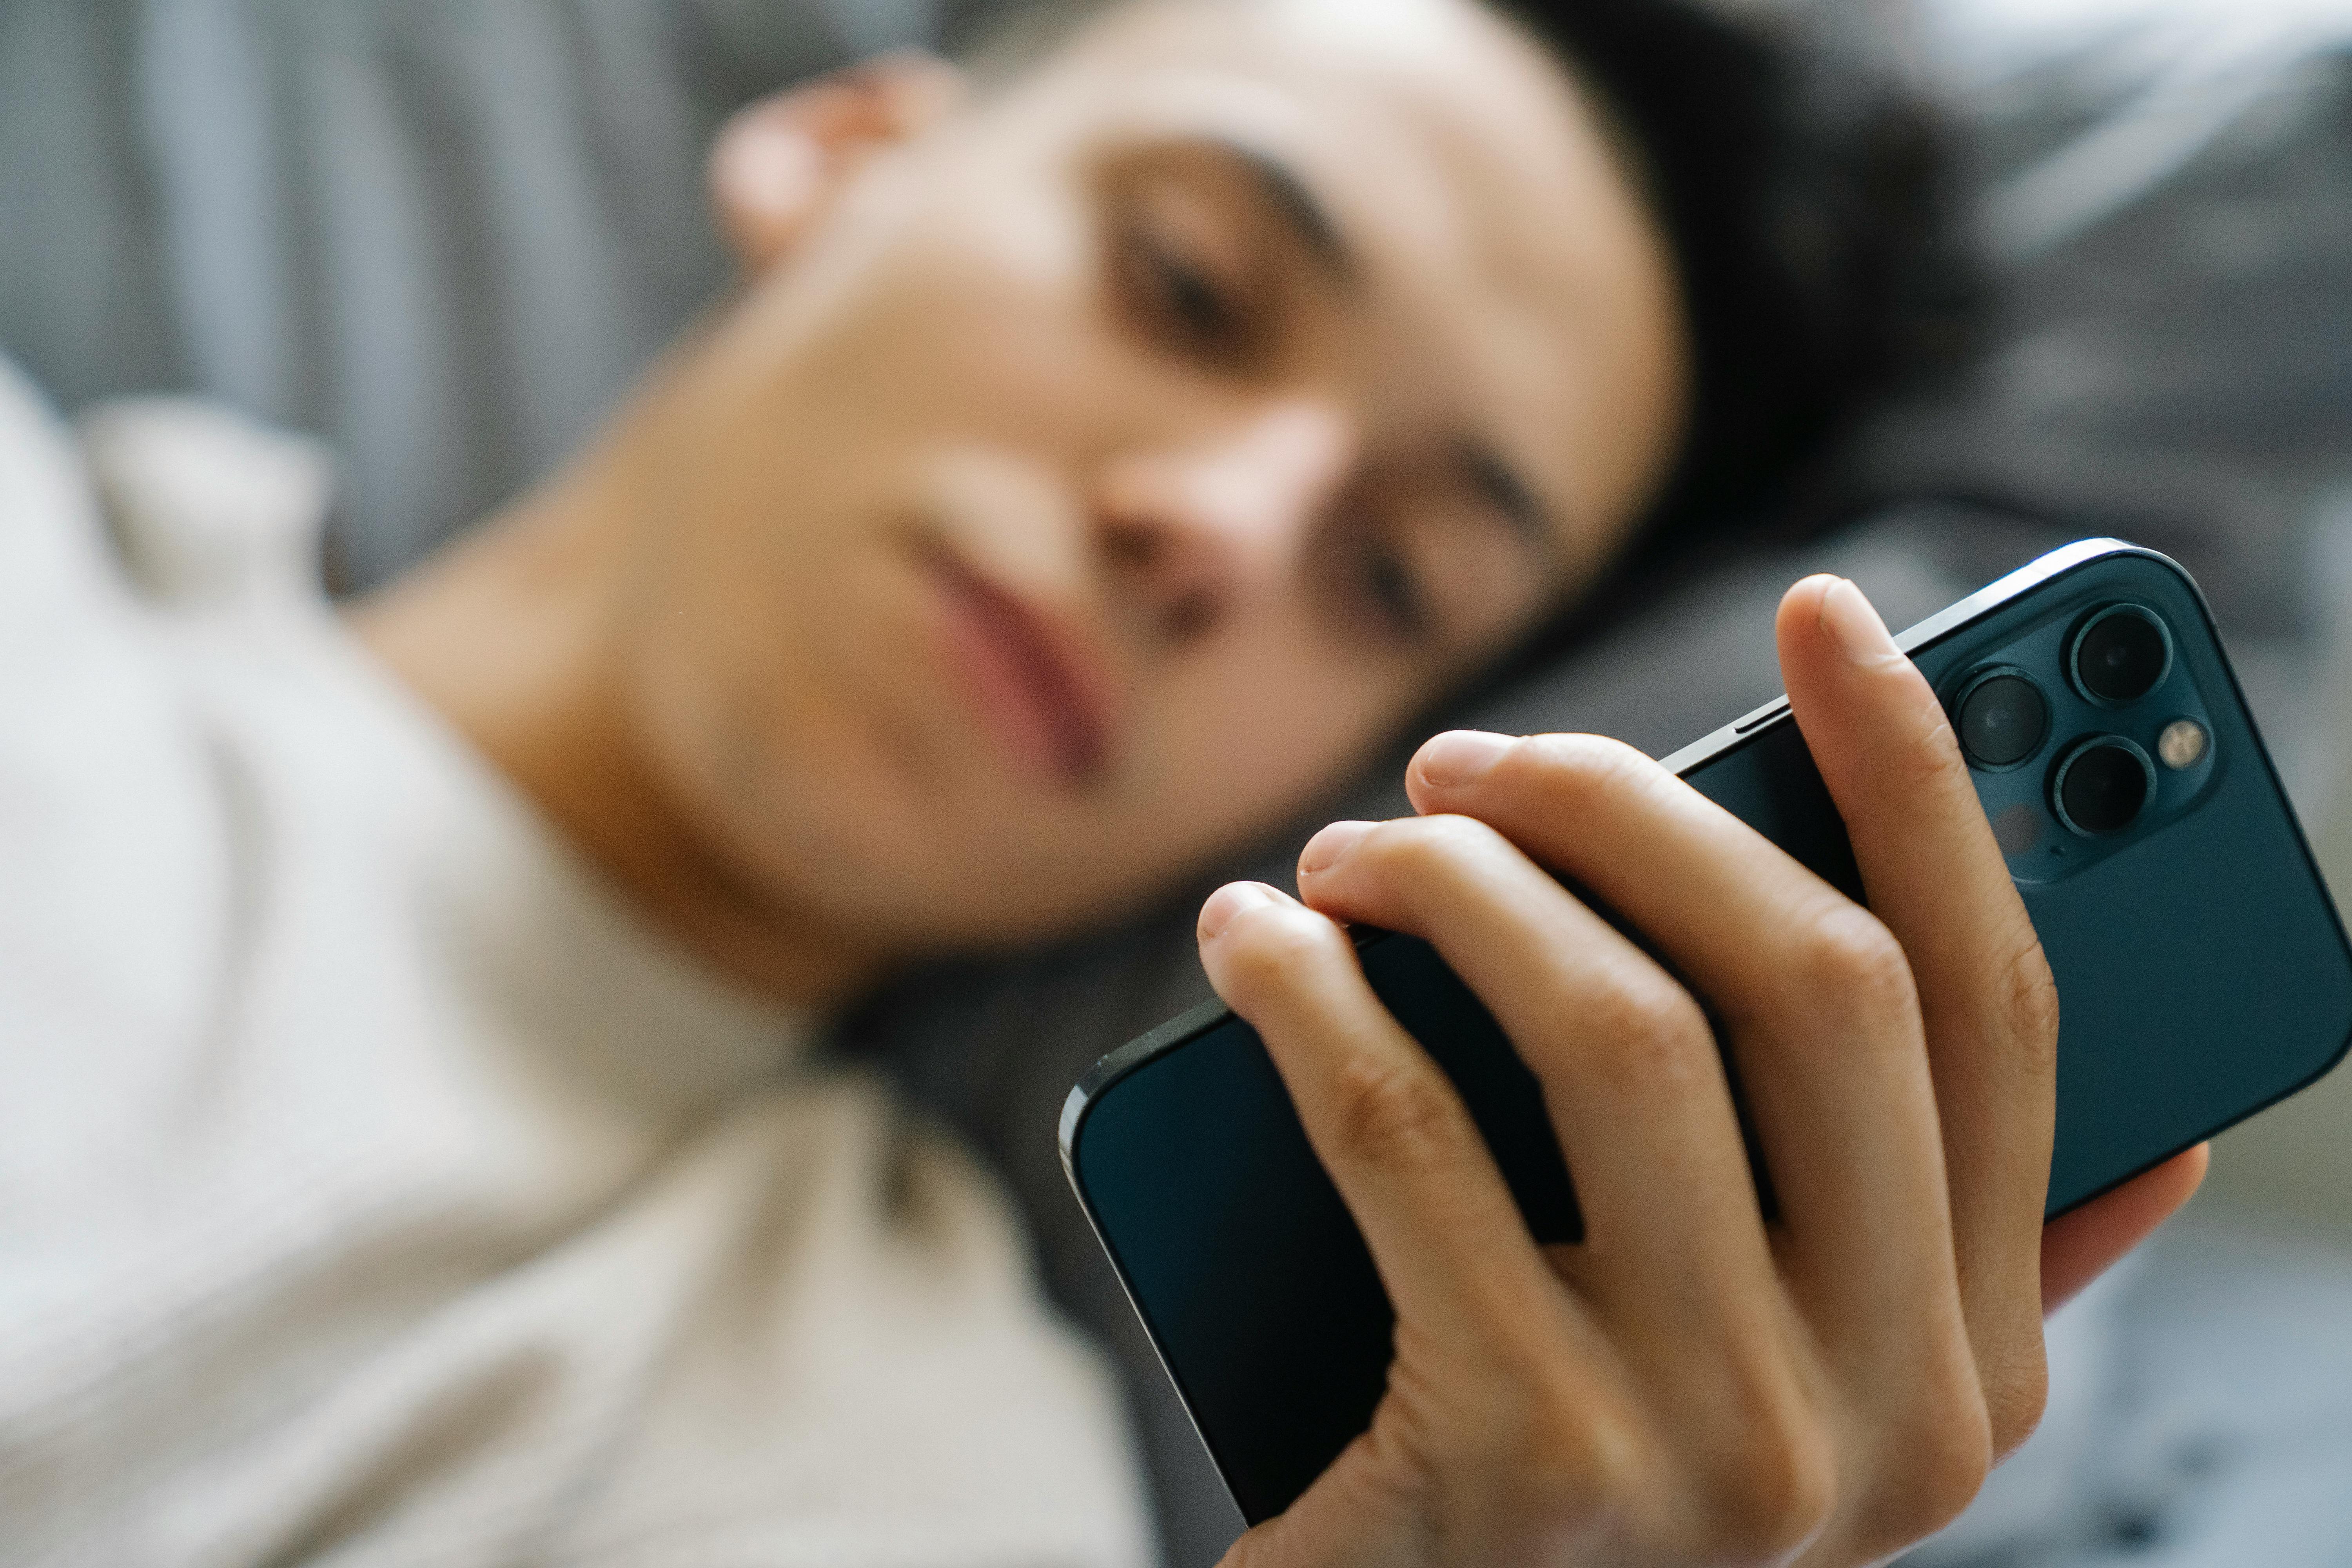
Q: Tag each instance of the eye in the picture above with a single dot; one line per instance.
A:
(1182, 300)
(1194, 300)
(1395, 595)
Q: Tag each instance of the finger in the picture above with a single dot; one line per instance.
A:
(1937, 877)
(1813, 990)
(1442, 1230)
(1626, 1060)
(2084, 1243)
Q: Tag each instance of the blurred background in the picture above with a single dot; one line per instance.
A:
(441, 236)
(2165, 188)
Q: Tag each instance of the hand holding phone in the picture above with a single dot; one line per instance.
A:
(1688, 1382)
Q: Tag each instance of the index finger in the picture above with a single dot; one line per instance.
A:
(1934, 875)
(1381, 1116)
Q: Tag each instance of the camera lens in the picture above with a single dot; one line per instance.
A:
(2003, 719)
(2121, 654)
(2101, 785)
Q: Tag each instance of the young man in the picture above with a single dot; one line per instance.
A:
(406, 1155)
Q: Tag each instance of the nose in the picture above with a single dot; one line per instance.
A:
(1193, 531)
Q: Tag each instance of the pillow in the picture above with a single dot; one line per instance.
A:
(2166, 195)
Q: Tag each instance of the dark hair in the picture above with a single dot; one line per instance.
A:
(1806, 197)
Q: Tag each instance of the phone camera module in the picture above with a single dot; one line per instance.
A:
(2003, 718)
(2101, 785)
(2121, 655)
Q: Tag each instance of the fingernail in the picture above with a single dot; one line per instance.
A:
(1460, 756)
(1330, 844)
(1231, 899)
(1853, 627)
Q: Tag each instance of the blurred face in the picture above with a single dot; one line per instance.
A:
(1117, 457)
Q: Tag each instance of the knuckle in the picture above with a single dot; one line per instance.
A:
(1935, 1450)
(1398, 1115)
(1954, 1462)
(2025, 999)
(1933, 761)
(1844, 951)
(1774, 1491)
(1945, 1450)
(1570, 1453)
(1646, 1032)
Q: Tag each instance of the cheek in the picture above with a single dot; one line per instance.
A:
(1260, 729)
(953, 305)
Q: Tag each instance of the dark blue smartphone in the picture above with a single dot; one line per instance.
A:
(2202, 974)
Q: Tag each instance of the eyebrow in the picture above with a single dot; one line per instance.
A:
(1511, 497)
(1296, 202)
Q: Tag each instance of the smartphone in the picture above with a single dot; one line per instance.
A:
(2202, 974)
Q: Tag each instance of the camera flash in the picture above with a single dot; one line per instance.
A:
(2182, 744)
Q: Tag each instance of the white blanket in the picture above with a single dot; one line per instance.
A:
(374, 1189)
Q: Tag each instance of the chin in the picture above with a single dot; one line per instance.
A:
(893, 819)
(943, 898)
(925, 869)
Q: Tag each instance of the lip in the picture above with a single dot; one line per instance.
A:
(1036, 679)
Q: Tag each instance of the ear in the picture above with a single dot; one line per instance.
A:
(778, 163)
